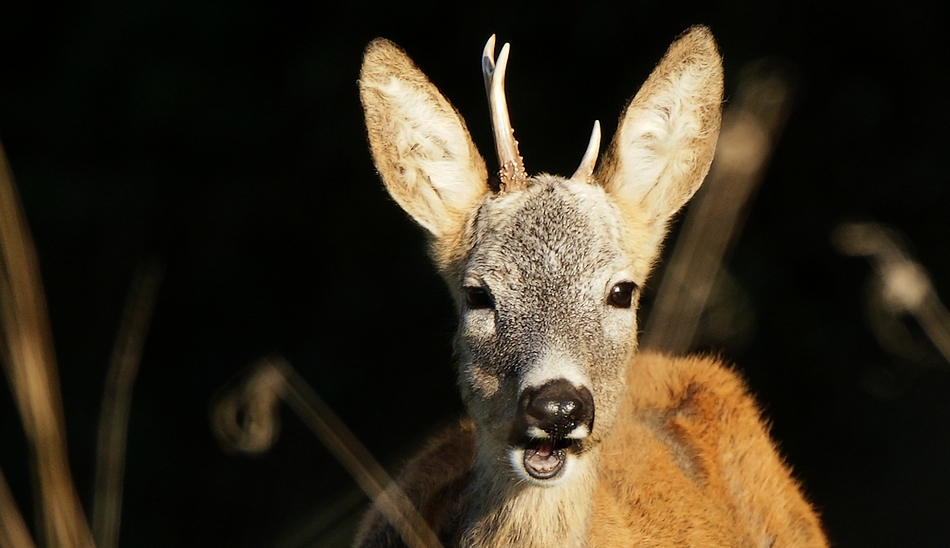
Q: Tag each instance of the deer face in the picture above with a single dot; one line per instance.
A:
(545, 270)
(547, 299)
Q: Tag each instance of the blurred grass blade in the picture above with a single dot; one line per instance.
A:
(117, 402)
(751, 126)
(29, 362)
(245, 419)
(903, 284)
(13, 530)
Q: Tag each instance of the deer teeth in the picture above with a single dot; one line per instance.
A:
(545, 461)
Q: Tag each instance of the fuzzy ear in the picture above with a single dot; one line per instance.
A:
(668, 132)
(420, 144)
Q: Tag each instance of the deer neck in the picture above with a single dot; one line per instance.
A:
(504, 510)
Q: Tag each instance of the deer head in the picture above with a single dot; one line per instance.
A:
(545, 270)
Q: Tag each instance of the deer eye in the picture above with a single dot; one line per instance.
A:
(621, 294)
(477, 297)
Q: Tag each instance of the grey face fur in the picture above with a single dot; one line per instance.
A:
(548, 257)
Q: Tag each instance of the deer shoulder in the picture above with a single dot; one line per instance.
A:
(692, 462)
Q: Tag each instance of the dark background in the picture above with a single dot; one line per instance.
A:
(225, 138)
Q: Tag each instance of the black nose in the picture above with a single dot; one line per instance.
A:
(557, 407)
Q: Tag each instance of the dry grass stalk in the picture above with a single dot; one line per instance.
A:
(30, 365)
(116, 405)
(904, 286)
(245, 419)
(13, 530)
(751, 126)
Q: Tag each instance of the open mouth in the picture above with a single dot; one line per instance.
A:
(549, 430)
(544, 458)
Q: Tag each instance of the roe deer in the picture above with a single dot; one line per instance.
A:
(573, 439)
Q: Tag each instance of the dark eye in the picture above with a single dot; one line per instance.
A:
(477, 297)
(621, 294)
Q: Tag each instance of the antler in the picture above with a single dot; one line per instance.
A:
(586, 170)
(511, 166)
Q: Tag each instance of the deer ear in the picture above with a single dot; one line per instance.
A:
(420, 144)
(668, 132)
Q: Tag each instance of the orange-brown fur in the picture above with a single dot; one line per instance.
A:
(689, 463)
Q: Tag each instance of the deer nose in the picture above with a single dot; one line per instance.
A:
(559, 409)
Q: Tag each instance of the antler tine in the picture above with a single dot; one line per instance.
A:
(488, 64)
(511, 165)
(586, 170)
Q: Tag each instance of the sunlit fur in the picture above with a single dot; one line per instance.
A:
(677, 454)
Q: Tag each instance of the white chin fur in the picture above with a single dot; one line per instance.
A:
(516, 459)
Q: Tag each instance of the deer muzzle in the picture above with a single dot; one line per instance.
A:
(552, 422)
